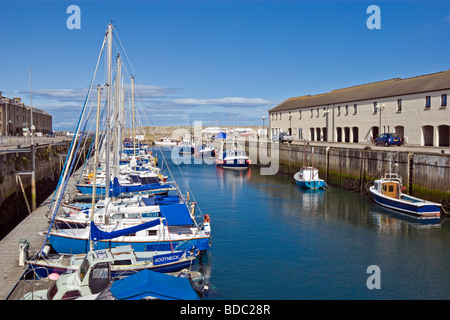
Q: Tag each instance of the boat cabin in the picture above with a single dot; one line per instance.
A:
(309, 173)
(92, 277)
(388, 188)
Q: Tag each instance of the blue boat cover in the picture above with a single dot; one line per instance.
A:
(154, 284)
(176, 214)
(221, 135)
(160, 200)
(97, 234)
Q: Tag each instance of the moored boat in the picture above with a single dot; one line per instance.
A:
(308, 177)
(125, 261)
(232, 156)
(388, 192)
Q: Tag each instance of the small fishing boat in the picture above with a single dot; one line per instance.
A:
(186, 146)
(207, 150)
(232, 156)
(388, 192)
(308, 177)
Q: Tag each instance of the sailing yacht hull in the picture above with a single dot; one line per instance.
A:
(63, 243)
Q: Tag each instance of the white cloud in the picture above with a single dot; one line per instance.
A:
(236, 101)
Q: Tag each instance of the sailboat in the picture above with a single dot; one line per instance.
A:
(172, 228)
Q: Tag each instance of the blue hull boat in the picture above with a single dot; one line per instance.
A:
(126, 262)
(308, 177)
(64, 243)
(313, 184)
(388, 192)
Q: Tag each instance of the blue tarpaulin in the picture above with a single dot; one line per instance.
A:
(176, 214)
(221, 135)
(160, 200)
(147, 283)
(97, 234)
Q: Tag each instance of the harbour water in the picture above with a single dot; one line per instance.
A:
(272, 240)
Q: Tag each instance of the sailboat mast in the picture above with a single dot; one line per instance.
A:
(117, 116)
(99, 90)
(132, 104)
(108, 110)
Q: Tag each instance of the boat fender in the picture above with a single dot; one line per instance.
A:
(46, 250)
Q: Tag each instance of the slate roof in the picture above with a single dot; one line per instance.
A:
(376, 90)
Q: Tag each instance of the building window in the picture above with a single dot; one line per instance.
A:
(300, 115)
(317, 112)
(346, 109)
(355, 108)
(312, 113)
(300, 133)
(375, 107)
(428, 102)
(399, 105)
(339, 110)
(443, 100)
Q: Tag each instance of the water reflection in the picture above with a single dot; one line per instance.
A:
(313, 243)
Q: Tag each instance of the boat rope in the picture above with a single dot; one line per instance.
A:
(64, 177)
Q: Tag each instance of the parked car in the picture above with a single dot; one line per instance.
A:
(282, 137)
(388, 138)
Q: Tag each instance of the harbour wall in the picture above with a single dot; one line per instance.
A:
(15, 164)
(425, 175)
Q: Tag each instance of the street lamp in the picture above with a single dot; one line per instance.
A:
(31, 109)
(380, 108)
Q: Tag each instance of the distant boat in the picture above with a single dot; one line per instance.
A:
(232, 156)
(308, 177)
(165, 142)
(207, 150)
(387, 192)
(186, 146)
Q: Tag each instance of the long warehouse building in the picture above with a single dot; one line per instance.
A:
(414, 108)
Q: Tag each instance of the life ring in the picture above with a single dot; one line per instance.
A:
(206, 218)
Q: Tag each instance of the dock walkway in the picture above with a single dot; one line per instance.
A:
(30, 229)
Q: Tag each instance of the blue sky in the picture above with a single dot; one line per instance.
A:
(196, 60)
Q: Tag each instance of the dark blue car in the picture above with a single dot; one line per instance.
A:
(388, 138)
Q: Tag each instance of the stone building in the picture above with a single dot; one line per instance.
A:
(15, 118)
(415, 108)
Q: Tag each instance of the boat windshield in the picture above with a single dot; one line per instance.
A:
(84, 268)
